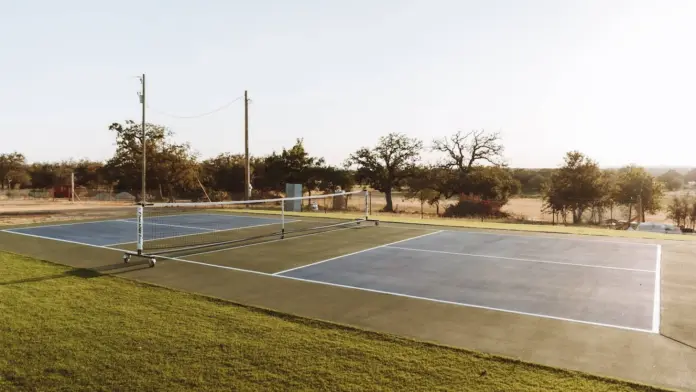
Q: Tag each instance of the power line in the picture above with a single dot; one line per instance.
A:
(223, 107)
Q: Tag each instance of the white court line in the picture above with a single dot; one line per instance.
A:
(355, 288)
(355, 253)
(533, 234)
(231, 214)
(62, 240)
(520, 259)
(80, 222)
(168, 225)
(214, 231)
(285, 239)
(266, 242)
(87, 221)
(656, 299)
(84, 222)
(469, 305)
(415, 297)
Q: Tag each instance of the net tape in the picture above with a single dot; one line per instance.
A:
(253, 201)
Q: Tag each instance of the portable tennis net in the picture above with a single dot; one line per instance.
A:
(176, 227)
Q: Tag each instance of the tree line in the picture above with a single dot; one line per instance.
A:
(471, 170)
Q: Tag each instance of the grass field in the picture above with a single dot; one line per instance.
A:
(67, 329)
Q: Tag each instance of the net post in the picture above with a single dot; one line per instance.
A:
(367, 213)
(282, 219)
(140, 225)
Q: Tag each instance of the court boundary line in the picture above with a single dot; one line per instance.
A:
(355, 253)
(540, 315)
(87, 221)
(656, 296)
(533, 234)
(522, 259)
(456, 229)
(275, 275)
(168, 225)
(283, 239)
(462, 304)
(207, 232)
(62, 240)
(78, 222)
(269, 242)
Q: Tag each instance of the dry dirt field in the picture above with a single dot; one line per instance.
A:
(526, 208)
(531, 209)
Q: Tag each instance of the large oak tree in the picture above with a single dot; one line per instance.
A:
(386, 166)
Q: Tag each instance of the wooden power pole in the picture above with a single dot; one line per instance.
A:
(247, 164)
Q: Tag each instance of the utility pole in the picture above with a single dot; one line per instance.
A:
(144, 142)
(247, 170)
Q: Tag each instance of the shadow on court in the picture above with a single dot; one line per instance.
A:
(85, 273)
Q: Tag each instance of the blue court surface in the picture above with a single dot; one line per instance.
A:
(124, 231)
(591, 281)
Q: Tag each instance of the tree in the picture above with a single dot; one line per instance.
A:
(422, 185)
(672, 180)
(531, 180)
(609, 186)
(464, 150)
(636, 187)
(291, 166)
(490, 183)
(13, 170)
(386, 166)
(473, 165)
(680, 210)
(575, 187)
(690, 175)
(89, 173)
(176, 170)
(299, 166)
(224, 172)
(331, 179)
(170, 167)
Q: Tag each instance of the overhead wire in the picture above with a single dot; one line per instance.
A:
(223, 107)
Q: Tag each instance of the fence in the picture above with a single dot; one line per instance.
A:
(67, 193)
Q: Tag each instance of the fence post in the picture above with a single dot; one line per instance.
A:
(72, 187)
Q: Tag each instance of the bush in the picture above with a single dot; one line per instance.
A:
(475, 208)
(219, 196)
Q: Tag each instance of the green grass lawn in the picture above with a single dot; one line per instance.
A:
(66, 329)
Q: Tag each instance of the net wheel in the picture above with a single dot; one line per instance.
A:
(126, 258)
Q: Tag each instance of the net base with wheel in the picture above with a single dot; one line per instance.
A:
(151, 261)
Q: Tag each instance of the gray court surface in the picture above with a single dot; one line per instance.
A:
(123, 231)
(592, 281)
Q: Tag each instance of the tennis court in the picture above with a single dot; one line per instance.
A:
(608, 283)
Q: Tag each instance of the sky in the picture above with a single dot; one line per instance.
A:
(613, 79)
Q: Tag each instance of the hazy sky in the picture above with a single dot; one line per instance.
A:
(614, 79)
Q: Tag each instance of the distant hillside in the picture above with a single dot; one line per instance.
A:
(658, 170)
